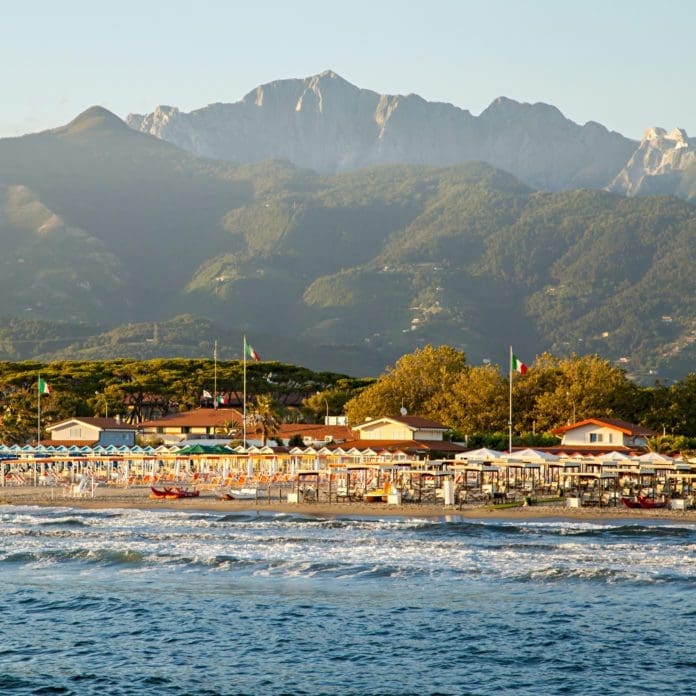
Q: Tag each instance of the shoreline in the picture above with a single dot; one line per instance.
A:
(138, 499)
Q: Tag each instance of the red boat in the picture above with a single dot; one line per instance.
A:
(642, 502)
(173, 493)
(652, 503)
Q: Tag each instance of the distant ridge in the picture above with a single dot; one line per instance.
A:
(325, 123)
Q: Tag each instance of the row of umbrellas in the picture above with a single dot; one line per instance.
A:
(533, 455)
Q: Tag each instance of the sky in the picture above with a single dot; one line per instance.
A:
(627, 64)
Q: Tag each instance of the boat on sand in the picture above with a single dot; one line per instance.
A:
(642, 502)
(239, 494)
(172, 492)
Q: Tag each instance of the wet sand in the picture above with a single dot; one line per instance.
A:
(138, 498)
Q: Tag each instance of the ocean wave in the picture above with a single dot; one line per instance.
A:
(100, 556)
(65, 522)
(639, 531)
(603, 575)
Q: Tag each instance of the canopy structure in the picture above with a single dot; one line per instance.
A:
(480, 455)
(204, 449)
(533, 455)
(655, 458)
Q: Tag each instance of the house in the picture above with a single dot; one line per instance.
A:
(413, 435)
(604, 434)
(200, 423)
(401, 428)
(92, 431)
(315, 435)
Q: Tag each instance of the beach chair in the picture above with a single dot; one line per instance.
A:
(83, 488)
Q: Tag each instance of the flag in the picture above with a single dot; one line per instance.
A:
(220, 400)
(44, 387)
(518, 365)
(207, 394)
(250, 352)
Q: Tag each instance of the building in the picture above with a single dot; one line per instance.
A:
(412, 435)
(200, 423)
(605, 434)
(91, 432)
(315, 435)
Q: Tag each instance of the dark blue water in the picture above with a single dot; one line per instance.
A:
(132, 602)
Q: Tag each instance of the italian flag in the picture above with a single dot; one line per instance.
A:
(250, 352)
(44, 387)
(518, 365)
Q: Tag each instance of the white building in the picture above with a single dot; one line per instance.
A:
(604, 432)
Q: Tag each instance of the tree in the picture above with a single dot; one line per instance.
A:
(417, 382)
(477, 401)
(265, 416)
(556, 391)
(683, 398)
(333, 399)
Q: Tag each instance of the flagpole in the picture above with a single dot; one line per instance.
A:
(510, 414)
(38, 412)
(215, 394)
(244, 427)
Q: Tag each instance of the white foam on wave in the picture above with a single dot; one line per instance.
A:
(273, 545)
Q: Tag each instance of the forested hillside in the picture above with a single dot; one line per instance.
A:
(117, 244)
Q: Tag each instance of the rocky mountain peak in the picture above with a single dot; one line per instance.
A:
(325, 123)
(660, 155)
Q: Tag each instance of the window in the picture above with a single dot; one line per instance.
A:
(596, 437)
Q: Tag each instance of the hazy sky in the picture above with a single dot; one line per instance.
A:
(628, 64)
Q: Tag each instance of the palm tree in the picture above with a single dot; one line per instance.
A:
(266, 416)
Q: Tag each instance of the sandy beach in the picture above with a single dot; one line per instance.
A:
(138, 498)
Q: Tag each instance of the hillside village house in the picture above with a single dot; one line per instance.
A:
(606, 434)
(91, 432)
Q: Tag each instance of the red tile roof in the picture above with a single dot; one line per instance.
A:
(317, 431)
(415, 422)
(615, 423)
(197, 418)
(70, 443)
(404, 445)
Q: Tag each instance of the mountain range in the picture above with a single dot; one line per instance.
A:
(117, 243)
(326, 124)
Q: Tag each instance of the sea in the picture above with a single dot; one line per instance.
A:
(182, 602)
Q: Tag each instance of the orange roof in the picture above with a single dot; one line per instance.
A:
(583, 449)
(404, 445)
(614, 423)
(70, 443)
(414, 422)
(317, 431)
(197, 418)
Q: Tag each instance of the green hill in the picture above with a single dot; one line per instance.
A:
(106, 231)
